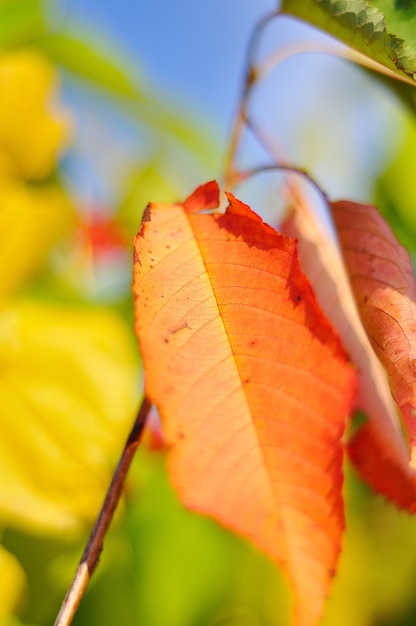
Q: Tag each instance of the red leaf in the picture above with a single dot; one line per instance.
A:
(384, 470)
(251, 383)
(103, 235)
(382, 279)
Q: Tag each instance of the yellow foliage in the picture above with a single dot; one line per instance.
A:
(32, 130)
(67, 399)
(31, 220)
(68, 375)
(32, 134)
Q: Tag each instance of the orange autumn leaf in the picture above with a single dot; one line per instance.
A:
(382, 279)
(250, 380)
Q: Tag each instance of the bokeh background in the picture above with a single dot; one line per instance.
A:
(104, 107)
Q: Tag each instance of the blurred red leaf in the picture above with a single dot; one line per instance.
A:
(250, 380)
(102, 235)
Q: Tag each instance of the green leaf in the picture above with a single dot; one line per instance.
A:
(20, 22)
(92, 62)
(144, 182)
(383, 30)
(368, 559)
(206, 575)
(13, 581)
(396, 189)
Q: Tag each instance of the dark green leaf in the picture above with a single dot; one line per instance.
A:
(383, 30)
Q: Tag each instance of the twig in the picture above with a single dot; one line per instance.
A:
(240, 119)
(93, 549)
(280, 166)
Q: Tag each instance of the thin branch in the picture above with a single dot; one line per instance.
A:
(240, 118)
(242, 176)
(91, 556)
(335, 49)
(279, 163)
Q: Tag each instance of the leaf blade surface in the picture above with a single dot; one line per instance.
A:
(250, 380)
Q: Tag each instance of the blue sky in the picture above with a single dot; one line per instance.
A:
(326, 116)
(192, 50)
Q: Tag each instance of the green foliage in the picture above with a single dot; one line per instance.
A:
(91, 62)
(206, 570)
(396, 189)
(21, 21)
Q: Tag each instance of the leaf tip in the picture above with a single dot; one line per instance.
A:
(239, 208)
(205, 196)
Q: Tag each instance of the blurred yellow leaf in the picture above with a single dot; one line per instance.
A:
(68, 391)
(31, 220)
(13, 581)
(33, 132)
